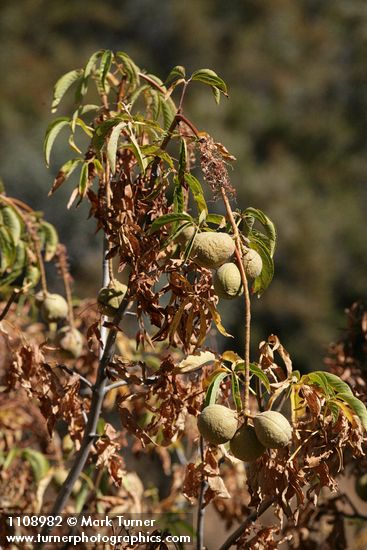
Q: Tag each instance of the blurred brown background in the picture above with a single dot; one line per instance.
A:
(295, 120)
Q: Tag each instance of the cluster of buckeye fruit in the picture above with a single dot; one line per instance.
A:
(219, 424)
(214, 251)
(54, 310)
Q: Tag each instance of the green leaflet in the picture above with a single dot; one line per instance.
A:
(168, 109)
(7, 249)
(83, 180)
(53, 130)
(197, 191)
(129, 68)
(12, 222)
(176, 74)
(51, 240)
(252, 214)
(330, 383)
(209, 77)
(256, 371)
(63, 85)
(112, 145)
(169, 218)
(236, 394)
(262, 282)
(214, 386)
(105, 66)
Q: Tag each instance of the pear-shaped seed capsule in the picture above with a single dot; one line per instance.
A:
(54, 308)
(185, 235)
(217, 424)
(212, 250)
(245, 445)
(70, 340)
(227, 281)
(110, 298)
(252, 263)
(272, 429)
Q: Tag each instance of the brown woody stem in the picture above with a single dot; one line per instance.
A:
(232, 539)
(98, 393)
(246, 294)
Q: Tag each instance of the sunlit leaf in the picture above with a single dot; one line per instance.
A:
(262, 282)
(105, 66)
(63, 85)
(236, 394)
(214, 386)
(53, 129)
(112, 145)
(197, 191)
(64, 173)
(207, 76)
(169, 218)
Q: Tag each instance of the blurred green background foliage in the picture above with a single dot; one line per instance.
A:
(295, 120)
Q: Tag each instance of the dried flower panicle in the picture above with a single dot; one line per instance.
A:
(214, 167)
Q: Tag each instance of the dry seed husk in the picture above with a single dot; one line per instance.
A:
(217, 424)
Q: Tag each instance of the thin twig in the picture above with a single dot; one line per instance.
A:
(246, 293)
(63, 266)
(73, 372)
(115, 385)
(232, 539)
(13, 297)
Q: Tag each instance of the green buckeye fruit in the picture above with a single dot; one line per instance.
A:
(211, 250)
(217, 424)
(252, 263)
(110, 298)
(245, 446)
(272, 429)
(54, 308)
(227, 281)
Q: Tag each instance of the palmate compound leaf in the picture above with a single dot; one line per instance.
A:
(330, 383)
